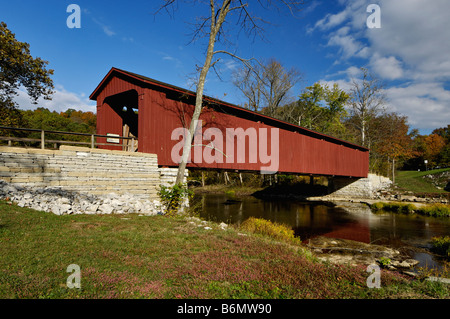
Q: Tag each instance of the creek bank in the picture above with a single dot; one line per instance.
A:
(344, 251)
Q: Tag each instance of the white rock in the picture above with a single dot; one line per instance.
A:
(65, 208)
(27, 195)
(106, 209)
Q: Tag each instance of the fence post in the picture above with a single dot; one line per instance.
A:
(132, 144)
(42, 139)
(92, 141)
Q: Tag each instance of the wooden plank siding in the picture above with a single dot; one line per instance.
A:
(163, 108)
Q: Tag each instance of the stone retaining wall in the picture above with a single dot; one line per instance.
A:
(79, 169)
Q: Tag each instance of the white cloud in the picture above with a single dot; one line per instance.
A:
(343, 84)
(331, 20)
(386, 67)
(61, 101)
(128, 39)
(106, 29)
(346, 16)
(176, 62)
(411, 48)
(426, 104)
(349, 46)
(415, 31)
(353, 72)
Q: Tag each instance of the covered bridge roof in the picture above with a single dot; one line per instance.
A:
(221, 106)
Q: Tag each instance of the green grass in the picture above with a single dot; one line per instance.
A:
(414, 181)
(131, 256)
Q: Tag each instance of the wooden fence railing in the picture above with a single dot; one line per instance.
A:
(128, 143)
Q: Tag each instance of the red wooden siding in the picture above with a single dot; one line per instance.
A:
(163, 108)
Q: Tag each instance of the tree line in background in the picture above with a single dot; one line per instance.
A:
(43, 119)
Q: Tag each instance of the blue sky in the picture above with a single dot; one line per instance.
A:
(328, 41)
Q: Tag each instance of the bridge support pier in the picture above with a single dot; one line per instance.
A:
(351, 187)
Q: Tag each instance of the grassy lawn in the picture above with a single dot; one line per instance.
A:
(414, 181)
(131, 256)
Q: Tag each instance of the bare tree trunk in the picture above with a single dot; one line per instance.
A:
(393, 170)
(226, 178)
(214, 30)
(388, 168)
(363, 132)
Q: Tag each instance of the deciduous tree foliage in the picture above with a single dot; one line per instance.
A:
(319, 108)
(19, 68)
(68, 121)
(434, 148)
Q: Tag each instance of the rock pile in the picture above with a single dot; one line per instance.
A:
(63, 202)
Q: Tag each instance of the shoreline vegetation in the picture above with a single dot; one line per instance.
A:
(433, 210)
(176, 257)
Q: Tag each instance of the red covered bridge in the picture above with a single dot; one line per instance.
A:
(230, 137)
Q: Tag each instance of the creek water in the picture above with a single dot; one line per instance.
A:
(409, 233)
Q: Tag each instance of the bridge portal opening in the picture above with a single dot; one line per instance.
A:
(125, 105)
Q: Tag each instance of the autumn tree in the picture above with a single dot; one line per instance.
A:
(393, 143)
(235, 13)
(86, 120)
(434, 144)
(19, 68)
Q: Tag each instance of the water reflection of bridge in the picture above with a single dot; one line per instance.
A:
(307, 219)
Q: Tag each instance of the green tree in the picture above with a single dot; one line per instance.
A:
(319, 108)
(19, 68)
(444, 156)
(444, 132)
(69, 121)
